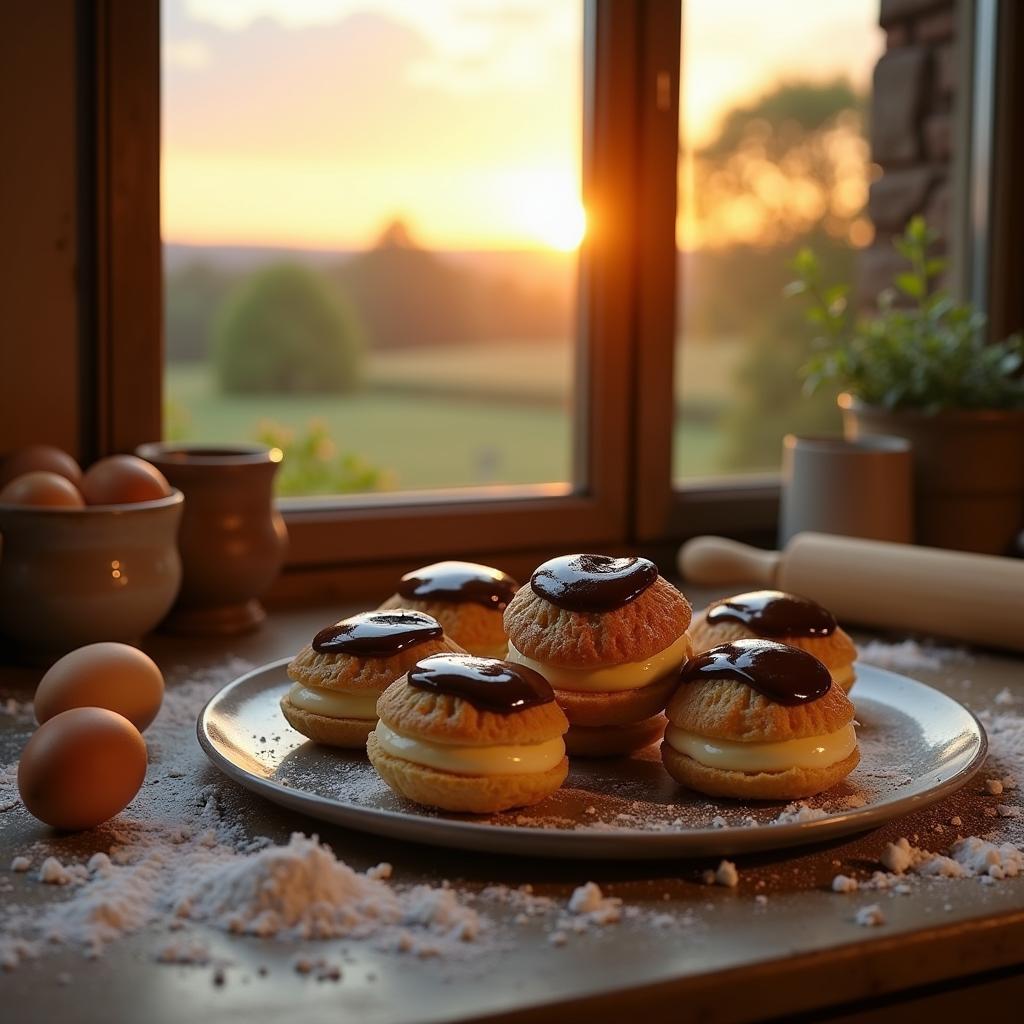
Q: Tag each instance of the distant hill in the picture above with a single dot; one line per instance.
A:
(528, 265)
(405, 296)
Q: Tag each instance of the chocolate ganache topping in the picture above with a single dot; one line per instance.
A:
(593, 583)
(785, 675)
(773, 613)
(461, 582)
(377, 634)
(487, 684)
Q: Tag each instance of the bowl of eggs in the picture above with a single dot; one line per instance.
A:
(87, 556)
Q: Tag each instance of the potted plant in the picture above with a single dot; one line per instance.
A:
(920, 368)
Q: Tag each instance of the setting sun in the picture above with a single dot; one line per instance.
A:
(461, 122)
(567, 227)
(553, 214)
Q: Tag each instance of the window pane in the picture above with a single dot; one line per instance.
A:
(773, 157)
(371, 211)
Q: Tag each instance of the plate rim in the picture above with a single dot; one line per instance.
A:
(563, 843)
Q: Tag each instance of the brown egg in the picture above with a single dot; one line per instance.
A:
(81, 767)
(41, 489)
(39, 457)
(123, 480)
(105, 675)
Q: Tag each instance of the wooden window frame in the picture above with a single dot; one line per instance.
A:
(740, 506)
(624, 496)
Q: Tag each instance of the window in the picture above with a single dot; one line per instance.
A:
(613, 417)
(371, 216)
(569, 486)
(774, 156)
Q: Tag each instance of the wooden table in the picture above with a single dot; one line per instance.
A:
(946, 947)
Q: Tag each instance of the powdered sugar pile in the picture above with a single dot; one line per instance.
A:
(302, 891)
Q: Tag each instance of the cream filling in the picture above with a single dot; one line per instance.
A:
(332, 704)
(630, 675)
(731, 756)
(521, 759)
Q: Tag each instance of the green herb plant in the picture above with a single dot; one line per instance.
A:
(928, 353)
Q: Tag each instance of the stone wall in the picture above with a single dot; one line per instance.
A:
(915, 83)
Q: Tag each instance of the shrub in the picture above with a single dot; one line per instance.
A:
(283, 330)
(313, 464)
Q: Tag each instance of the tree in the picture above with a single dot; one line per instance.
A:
(786, 170)
(409, 297)
(286, 330)
(193, 295)
(791, 163)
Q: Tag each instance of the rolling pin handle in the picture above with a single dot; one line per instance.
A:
(716, 560)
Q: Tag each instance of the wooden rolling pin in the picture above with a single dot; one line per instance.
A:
(978, 599)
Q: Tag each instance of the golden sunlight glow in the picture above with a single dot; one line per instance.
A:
(568, 228)
(551, 211)
(461, 118)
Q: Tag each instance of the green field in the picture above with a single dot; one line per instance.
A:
(444, 418)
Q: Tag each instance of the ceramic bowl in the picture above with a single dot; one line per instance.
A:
(73, 576)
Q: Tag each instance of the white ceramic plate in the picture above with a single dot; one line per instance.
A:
(917, 746)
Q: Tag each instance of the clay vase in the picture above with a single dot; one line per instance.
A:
(968, 471)
(232, 540)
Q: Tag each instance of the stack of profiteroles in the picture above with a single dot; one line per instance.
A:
(468, 691)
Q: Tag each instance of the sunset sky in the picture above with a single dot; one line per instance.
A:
(313, 123)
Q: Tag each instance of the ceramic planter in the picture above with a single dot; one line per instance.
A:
(232, 539)
(968, 471)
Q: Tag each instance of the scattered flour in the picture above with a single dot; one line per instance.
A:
(870, 916)
(909, 655)
(725, 874)
(9, 797)
(969, 858)
(320, 968)
(178, 858)
(19, 710)
(590, 905)
(52, 872)
(799, 812)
